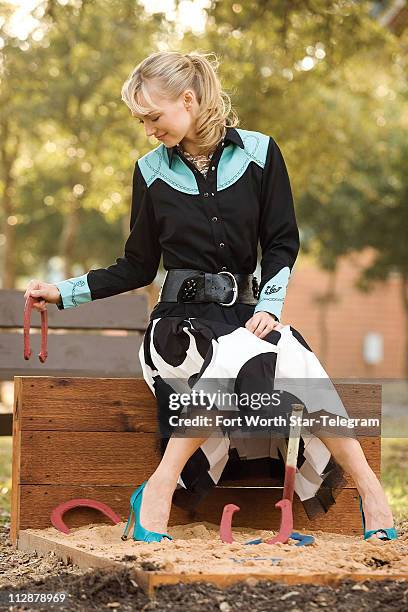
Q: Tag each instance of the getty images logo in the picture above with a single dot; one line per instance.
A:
(272, 289)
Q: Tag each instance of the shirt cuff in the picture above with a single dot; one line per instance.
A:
(273, 293)
(74, 292)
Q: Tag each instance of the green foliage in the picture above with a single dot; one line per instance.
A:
(77, 141)
(324, 78)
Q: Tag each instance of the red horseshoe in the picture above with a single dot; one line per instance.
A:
(44, 330)
(59, 511)
(226, 523)
(286, 526)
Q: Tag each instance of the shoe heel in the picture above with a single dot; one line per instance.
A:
(132, 515)
(362, 512)
(128, 524)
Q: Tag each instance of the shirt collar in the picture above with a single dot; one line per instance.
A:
(231, 135)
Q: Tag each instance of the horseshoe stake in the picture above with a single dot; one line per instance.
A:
(226, 523)
(285, 504)
(59, 511)
(44, 331)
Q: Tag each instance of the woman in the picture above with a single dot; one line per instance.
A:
(203, 198)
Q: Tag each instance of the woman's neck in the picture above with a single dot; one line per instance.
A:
(192, 150)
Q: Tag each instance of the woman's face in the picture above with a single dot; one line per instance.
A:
(173, 122)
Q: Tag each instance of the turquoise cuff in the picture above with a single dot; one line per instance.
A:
(273, 293)
(74, 291)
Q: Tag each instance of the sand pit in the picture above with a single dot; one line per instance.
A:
(197, 550)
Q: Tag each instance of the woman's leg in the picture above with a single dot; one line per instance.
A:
(349, 454)
(158, 492)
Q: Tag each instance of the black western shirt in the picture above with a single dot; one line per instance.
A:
(212, 224)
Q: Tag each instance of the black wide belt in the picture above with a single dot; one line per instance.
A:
(225, 288)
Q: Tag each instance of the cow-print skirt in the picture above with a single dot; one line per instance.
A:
(202, 341)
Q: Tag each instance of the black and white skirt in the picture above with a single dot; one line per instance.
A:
(198, 341)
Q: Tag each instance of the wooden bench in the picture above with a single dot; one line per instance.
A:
(98, 339)
(97, 438)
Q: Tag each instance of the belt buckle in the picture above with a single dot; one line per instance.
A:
(234, 289)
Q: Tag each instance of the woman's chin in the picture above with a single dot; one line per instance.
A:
(164, 138)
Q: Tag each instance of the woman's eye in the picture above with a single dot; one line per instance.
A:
(157, 118)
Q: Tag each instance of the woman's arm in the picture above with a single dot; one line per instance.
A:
(278, 233)
(137, 268)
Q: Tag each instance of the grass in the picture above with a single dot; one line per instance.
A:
(5, 476)
(394, 469)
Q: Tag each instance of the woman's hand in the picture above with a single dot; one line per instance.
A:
(42, 293)
(261, 323)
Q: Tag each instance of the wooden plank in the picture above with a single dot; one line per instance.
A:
(257, 507)
(128, 311)
(72, 354)
(108, 458)
(225, 580)
(85, 458)
(15, 467)
(149, 581)
(87, 404)
(76, 403)
(29, 542)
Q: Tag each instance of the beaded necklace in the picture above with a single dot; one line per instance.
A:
(201, 161)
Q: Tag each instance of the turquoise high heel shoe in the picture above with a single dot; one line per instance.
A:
(139, 532)
(390, 533)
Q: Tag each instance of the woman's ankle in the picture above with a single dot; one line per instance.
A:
(164, 481)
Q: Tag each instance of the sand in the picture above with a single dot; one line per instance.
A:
(197, 548)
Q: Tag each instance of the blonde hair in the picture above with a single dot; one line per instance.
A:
(174, 72)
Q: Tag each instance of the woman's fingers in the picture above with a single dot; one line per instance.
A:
(33, 285)
(38, 290)
(261, 324)
(264, 331)
(254, 321)
(259, 328)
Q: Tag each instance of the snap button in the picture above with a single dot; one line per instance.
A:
(206, 195)
(212, 167)
(214, 218)
(224, 268)
(212, 194)
(222, 245)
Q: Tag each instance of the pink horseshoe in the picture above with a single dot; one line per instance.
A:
(59, 511)
(286, 526)
(44, 330)
(226, 523)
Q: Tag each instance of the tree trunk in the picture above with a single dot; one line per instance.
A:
(8, 155)
(9, 232)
